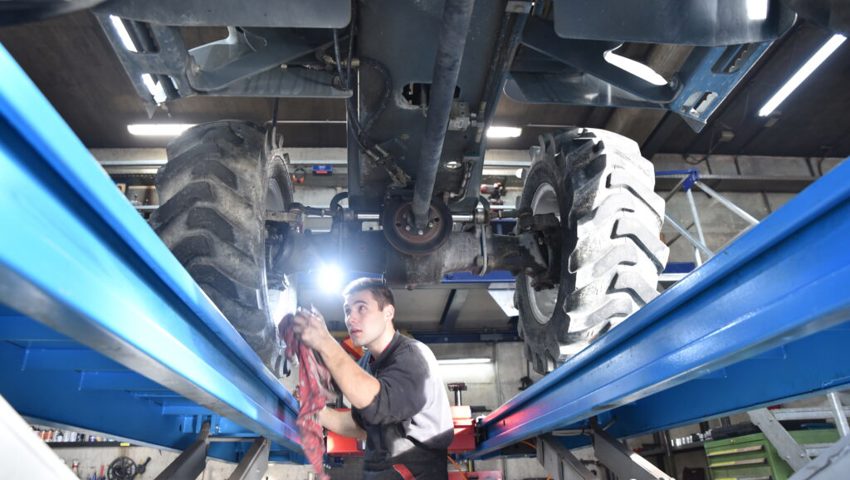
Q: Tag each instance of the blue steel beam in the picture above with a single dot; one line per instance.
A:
(804, 367)
(55, 397)
(784, 280)
(75, 256)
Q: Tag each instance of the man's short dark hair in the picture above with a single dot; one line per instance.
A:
(383, 295)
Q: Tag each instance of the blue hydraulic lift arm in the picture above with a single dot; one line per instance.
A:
(75, 256)
(779, 284)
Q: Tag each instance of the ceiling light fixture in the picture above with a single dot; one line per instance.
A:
(802, 74)
(504, 132)
(158, 129)
(123, 34)
(463, 361)
(634, 67)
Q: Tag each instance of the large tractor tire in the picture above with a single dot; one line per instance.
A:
(215, 190)
(602, 191)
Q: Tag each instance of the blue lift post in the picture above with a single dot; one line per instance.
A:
(763, 321)
(134, 348)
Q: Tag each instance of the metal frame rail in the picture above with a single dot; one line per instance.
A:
(691, 179)
(100, 326)
(762, 321)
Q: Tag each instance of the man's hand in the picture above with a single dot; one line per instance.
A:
(311, 329)
(358, 386)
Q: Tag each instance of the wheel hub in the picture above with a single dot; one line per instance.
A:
(402, 233)
(543, 300)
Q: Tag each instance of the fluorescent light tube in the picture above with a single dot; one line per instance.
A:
(635, 68)
(463, 361)
(155, 88)
(504, 132)
(158, 129)
(800, 76)
(123, 34)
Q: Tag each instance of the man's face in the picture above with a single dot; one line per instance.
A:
(365, 321)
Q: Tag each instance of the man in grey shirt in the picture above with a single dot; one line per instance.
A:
(399, 403)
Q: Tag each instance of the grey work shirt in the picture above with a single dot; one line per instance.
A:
(409, 422)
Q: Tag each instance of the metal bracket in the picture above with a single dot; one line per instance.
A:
(255, 462)
(695, 92)
(839, 414)
(192, 461)
(831, 464)
(230, 67)
(559, 462)
(587, 56)
(788, 448)
(683, 22)
(622, 462)
(242, 54)
(252, 13)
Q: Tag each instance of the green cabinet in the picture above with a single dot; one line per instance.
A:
(752, 457)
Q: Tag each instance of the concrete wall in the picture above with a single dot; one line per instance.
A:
(720, 225)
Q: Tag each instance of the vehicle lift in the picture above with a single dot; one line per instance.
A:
(102, 328)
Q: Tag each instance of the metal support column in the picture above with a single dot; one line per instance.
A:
(690, 194)
(838, 413)
(621, 461)
(192, 461)
(831, 464)
(728, 204)
(255, 463)
(559, 462)
(699, 245)
(788, 448)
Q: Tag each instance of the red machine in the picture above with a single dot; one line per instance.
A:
(464, 440)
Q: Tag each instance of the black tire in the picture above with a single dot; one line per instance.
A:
(214, 193)
(601, 188)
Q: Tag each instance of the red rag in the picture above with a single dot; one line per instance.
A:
(314, 387)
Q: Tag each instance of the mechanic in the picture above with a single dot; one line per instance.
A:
(399, 403)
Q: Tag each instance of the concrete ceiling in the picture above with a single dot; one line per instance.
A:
(71, 61)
